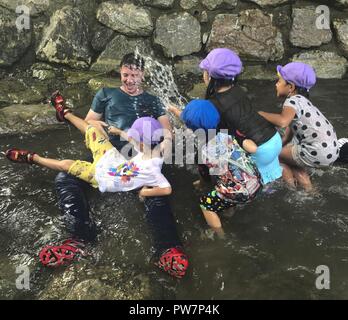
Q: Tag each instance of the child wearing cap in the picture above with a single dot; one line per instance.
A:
(110, 171)
(310, 139)
(221, 68)
(237, 180)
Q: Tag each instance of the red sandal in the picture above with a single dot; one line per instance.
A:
(20, 156)
(173, 261)
(57, 102)
(59, 255)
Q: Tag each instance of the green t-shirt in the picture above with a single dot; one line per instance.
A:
(121, 110)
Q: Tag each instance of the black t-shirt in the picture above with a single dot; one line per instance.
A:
(238, 114)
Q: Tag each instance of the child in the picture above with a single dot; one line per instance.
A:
(239, 180)
(221, 68)
(310, 140)
(110, 171)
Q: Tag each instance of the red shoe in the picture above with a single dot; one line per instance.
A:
(59, 255)
(20, 156)
(174, 261)
(58, 103)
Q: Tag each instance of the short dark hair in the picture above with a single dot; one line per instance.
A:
(131, 59)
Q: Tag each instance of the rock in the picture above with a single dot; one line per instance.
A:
(26, 118)
(188, 64)
(204, 17)
(77, 95)
(21, 91)
(188, 4)
(327, 65)
(13, 43)
(266, 3)
(42, 71)
(251, 34)
(36, 7)
(111, 58)
(198, 91)
(258, 72)
(101, 37)
(341, 28)
(304, 32)
(215, 4)
(163, 4)
(66, 40)
(97, 83)
(343, 3)
(75, 77)
(127, 18)
(179, 34)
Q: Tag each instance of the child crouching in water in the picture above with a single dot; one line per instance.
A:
(310, 139)
(237, 180)
(110, 171)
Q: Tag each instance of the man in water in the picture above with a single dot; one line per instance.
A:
(120, 107)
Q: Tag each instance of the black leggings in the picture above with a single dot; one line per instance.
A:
(73, 203)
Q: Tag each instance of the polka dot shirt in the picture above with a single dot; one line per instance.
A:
(313, 133)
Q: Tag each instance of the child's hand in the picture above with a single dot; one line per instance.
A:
(175, 110)
(114, 130)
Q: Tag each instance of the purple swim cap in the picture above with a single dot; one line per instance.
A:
(222, 63)
(298, 73)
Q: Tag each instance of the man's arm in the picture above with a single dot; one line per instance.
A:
(281, 120)
(93, 118)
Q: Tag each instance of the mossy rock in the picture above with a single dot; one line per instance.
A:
(96, 84)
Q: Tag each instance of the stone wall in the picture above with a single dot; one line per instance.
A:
(76, 42)
(94, 34)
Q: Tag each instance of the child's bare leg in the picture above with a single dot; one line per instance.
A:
(214, 222)
(288, 175)
(58, 165)
(79, 123)
(303, 178)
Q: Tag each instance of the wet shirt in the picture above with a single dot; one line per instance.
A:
(313, 132)
(114, 173)
(121, 110)
(237, 177)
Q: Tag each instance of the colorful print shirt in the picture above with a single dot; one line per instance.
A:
(114, 173)
(235, 173)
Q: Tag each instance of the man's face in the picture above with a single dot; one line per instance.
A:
(131, 79)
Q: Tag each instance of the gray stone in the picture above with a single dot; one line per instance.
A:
(203, 17)
(188, 4)
(76, 77)
(198, 91)
(327, 65)
(273, 3)
(111, 57)
(13, 43)
(343, 3)
(304, 32)
(97, 83)
(189, 64)
(16, 90)
(258, 72)
(66, 40)
(26, 118)
(127, 18)
(163, 4)
(101, 37)
(216, 4)
(42, 71)
(179, 34)
(341, 28)
(36, 7)
(251, 34)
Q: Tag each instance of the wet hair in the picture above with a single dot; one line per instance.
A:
(215, 84)
(131, 59)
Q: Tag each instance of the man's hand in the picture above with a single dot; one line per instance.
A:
(100, 125)
(115, 131)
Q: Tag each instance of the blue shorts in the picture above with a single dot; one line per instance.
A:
(267, 159)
